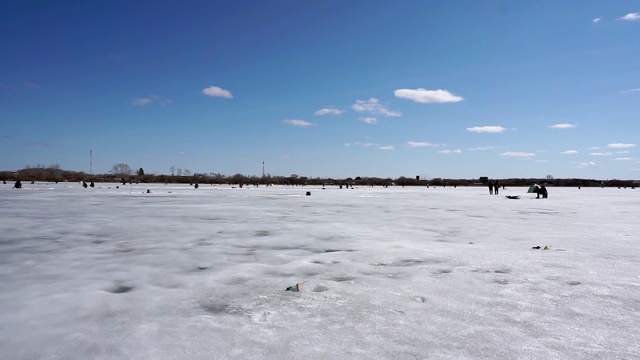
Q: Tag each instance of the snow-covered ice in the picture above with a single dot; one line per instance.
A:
(389, 273)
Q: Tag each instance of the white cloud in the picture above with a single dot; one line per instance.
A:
(420, 144)
(621, 146)
(215, 91)
(562, 126)
(328, 111)
(486, 129)
(388, 147)
(360, 144)
(427, 96)
(623, 152)
(624, 159)
(590, 163)
(569, 152)
(31, 85)
(296, 122)
(369, 120)
(593, 148)
(601, 153)
(142, 102)
(629, 91)
(456, 151)
(482, 148)
(373, 106)
(596, 20)
(630, 17)
(517, 154)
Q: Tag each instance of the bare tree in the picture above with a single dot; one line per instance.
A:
(179, 172)
(187, 172)
(121, 170)
(173, 170)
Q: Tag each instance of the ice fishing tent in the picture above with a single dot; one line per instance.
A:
(533, 189)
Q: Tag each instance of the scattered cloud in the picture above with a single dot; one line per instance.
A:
(623, 152)
(369, 120)
(601, 153)
(569, 152)
(590, 163)
(31, 85)
(630, 17)
(151, 100)
(298, 123)
(593, 148)
(629, 91)
(620, 146)
(116, 57)
(360, 144)
(624, 159)
(373, 106)
(482, 148)
(486, 129)
(562, 126)
(23, 86)
(517, 154)
(215, 91)
(388, 147)
(427, 96)
(456, 151)
(596, 20)
(420, 144)
(142, 102)
(328, 111)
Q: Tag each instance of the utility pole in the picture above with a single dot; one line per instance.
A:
(263, 174)
(90, 163)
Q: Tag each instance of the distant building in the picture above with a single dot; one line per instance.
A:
(484, 179)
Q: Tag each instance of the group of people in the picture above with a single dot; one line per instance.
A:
(494, 186)
(542, 190)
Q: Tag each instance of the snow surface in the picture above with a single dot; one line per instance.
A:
(390, 273)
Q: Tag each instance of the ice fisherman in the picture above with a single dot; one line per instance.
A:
(542, 190)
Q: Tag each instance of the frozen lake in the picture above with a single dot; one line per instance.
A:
(395, 273)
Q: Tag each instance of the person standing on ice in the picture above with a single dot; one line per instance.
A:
(542, 190)
(496, 186)
(490, 187)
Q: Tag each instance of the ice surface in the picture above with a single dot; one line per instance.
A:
(402, 273)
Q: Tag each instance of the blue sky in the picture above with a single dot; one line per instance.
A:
(453, 89)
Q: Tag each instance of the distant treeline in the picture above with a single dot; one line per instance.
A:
(55, 174)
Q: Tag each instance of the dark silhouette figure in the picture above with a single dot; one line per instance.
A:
(4, 182)
(84, 185)
(490, 187)
(92, 184)
(18, 185)
(196, 186)
(496, 187)
(542, 190)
